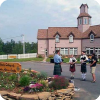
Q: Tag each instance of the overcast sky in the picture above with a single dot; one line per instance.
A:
(27, 16)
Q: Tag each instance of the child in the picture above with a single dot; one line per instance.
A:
(72, 62)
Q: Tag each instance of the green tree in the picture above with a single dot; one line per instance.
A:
(1, 46)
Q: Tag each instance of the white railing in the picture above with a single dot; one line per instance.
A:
(18, 56)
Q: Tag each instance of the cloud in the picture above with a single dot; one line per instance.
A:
(1, 1)
(27, 16)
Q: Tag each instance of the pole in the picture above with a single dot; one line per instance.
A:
(23, 44)
(55, 47)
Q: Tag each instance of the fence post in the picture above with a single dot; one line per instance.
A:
(7, 56)
(28, 55)
(2, 56)
(18, 56)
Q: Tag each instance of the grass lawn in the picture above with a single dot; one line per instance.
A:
(22, 60)
(66, 60)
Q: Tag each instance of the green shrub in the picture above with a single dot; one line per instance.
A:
(33, 74)
(59, 83)
(22, 70)
(41, 75)
(43, 82)
(24, 80)
(40, 56)
(63, 56)
(34, 81)
(78, 59)
(13, 77)
(51, 56)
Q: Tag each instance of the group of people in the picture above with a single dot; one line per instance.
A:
(83, 60)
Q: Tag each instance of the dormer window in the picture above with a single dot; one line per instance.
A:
(57, 38)
(71, 38)
(91, 37)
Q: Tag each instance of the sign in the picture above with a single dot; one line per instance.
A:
(10, 67)
(12, 57)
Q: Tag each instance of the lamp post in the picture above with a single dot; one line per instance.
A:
(23, 44)
(55, 47)
(46, 52)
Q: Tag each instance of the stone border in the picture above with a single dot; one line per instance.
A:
(63, 94)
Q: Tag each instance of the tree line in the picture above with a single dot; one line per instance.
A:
(12, 47)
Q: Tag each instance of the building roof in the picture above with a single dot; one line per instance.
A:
(42, 34)
(84, 15)
(84, 5)
(65, 31)
(95, 29)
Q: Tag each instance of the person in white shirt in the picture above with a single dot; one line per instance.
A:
(72, 62)
(83, 60)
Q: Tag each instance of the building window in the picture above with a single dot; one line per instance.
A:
(64, 51)
(89, 51)
(97, 51)
(80, 21)
(73, 51)
(85, 21)
(89, 21)
(57, 38)
(91, 37)
(71, 38)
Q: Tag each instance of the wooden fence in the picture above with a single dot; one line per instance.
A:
(18, 56)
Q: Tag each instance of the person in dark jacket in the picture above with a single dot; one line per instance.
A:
(83, 60)
(93, 62)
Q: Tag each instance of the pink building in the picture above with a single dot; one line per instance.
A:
(71, 40)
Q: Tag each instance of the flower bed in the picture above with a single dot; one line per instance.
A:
(31, 82)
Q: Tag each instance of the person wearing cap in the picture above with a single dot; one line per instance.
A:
(93, 62)
(83, 60)
(57, 63)
(72, 62)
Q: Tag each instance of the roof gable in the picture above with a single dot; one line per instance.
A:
(71, 33)
(92, 29)
(57, 33)
(84, 5)
(91, 32)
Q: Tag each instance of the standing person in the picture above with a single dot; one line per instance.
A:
(83, 60)
(93, 62)
(72, 62)
(57, 63)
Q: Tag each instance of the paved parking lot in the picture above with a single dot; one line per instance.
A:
(88, 90)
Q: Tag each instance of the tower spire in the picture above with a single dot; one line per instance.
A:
(84, 19)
